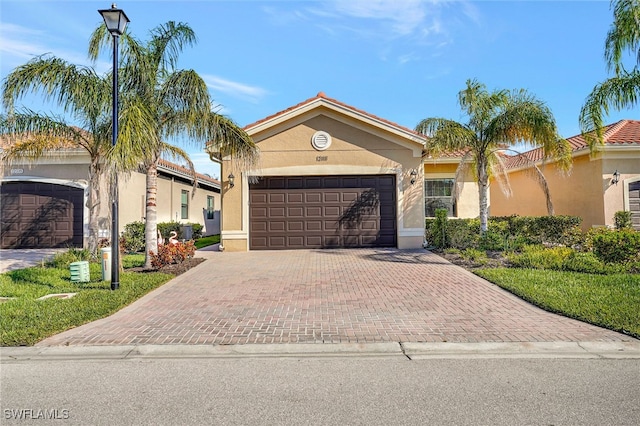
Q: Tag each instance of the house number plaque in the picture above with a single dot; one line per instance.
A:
(322, 158)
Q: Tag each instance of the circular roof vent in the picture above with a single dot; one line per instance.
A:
(321, 140)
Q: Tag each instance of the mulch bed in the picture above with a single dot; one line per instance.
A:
(174, 269)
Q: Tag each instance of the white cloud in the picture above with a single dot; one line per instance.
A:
(404, 16)
(19, 44)
(233, 88)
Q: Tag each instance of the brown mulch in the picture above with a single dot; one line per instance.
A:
(495, 260)
(173, 269)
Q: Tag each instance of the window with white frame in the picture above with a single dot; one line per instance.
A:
(184, 204)
(438, 195)
(210, 207)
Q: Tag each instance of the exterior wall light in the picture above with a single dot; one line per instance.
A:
(232, 180)
(616, 177)
(414, 174)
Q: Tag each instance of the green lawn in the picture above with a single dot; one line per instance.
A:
(610, 301)
(25, 320)
(207, 241)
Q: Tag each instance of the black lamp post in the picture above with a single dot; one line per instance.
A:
(116, 21)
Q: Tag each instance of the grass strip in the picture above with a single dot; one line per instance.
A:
(25, 321)
(609, 301)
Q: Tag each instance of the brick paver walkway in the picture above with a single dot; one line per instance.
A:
(358, 295)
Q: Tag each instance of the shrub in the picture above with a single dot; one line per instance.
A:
(63, 260)
(165, 228)
(476, 256)
(539, 257)
(439, 229)
(461, 233)
(622, 220)
(169, 254)
(584, 262)
(617, 246)
(197, 230)
(492, 240)
(133, 238)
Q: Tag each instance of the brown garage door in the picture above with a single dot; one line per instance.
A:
(634, 204)
(322, 212)
(40, 215)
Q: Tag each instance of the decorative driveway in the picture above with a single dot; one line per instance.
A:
(329, 296)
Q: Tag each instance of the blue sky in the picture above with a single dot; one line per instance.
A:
(403, 60)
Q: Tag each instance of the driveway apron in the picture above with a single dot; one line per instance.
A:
(329, 296)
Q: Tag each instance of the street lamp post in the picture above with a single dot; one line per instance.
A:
(116, 21)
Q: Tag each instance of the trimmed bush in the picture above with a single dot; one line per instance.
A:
(133, 238)
(617, 246)
(165, 229)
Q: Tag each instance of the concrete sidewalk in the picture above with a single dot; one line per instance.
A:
(356, 296)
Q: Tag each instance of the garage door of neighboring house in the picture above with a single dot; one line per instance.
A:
(634, 204)
(322, 212)
(41, 215)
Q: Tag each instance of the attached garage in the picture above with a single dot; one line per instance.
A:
(329, 176)
(41, 215)
(322, 212)
(634, 204)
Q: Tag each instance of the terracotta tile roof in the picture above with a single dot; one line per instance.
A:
(321, 95)
(623, 132)
(187, 173)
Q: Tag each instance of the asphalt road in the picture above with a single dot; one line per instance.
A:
(322, 391)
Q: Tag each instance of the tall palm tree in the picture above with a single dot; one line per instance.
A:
(623, 89)
(82, 94)
(178, 104)
(496, 121)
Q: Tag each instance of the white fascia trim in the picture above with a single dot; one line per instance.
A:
(341, 111)
(322, 170)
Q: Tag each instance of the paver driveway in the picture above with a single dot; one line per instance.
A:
(357, 295)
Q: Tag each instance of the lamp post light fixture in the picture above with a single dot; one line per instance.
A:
(414, 173)
(616, 177)
(116, 21)
(232, 180)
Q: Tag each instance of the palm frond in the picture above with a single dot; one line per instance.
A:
(167, 42)
(174, 153)
(31, 136)
(534, 172)
(445, 135)
(615, 93)
(624, 34)
(463, 167)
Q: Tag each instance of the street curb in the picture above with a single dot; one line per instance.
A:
(412, 351)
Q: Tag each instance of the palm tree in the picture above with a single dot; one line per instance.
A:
(496, 121)
(169, 104)
(622, 90)
(83, 94)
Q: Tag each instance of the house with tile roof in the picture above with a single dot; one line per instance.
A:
(599, 184)
(43, 203)
(330, 175)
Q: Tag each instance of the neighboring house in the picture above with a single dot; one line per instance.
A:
(330, 175)
(43, 204)
(596, 188)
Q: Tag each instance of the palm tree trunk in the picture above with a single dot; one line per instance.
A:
(151, 217)
(483, 191)
(93, 204)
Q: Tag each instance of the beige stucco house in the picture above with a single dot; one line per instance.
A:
(598, 185)
(43, 204)
(330, 175)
